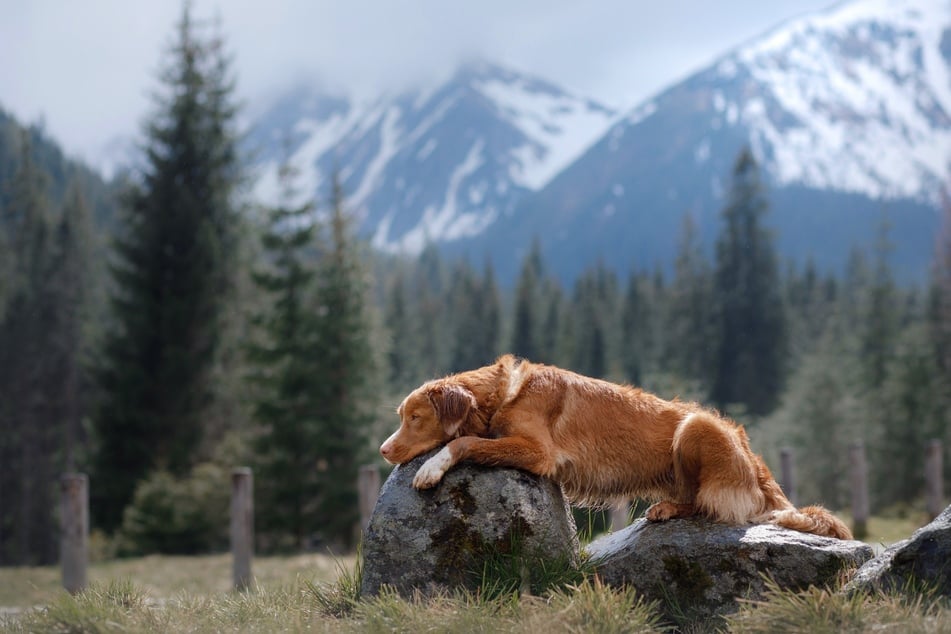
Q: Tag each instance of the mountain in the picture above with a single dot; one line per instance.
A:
(442, 164)
(57, 168)
(848, 112)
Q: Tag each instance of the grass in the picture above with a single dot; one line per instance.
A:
(120, 606)
(163, 576)
(885, 530)
(317, 593)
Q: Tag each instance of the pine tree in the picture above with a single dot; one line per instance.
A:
(910, 413)
(635, 331)
(402, 354)
(474, 306)
(285, 363)
(879, 323)
(347, 375)
(71, 284)
(749, 360)
(171, 273)
(822, 413)
(25, 498)
(525, 326)
(431, 310)
(939, 304)
(595, 305)
(552, 345)
(689, 324)
(811, 301)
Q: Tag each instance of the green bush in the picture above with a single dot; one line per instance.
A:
(178, 516)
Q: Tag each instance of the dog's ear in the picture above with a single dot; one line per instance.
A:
(452, 404)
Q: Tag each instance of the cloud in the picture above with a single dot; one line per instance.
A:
(88, 67)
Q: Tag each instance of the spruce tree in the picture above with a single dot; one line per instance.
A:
(173, 257)
(525, 326)
(910, 412)
(595, 304)
(475, 318)
(879, 323)
(749, 359)
(403, 351)
(285, 362)
(939, 304)
(690, 332)
(347, 375)
(25, 429)
(635, 331)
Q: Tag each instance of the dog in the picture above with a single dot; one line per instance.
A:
(602, 442)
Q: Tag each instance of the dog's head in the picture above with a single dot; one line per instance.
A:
(430, 416)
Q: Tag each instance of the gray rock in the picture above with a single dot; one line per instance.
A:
(922, 561)
(698, 569)
(439, 539)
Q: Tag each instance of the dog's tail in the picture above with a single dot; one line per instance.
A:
(812, 519)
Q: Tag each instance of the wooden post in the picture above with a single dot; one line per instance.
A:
(934, 486)
(859, 472)
(368, 487)
(242, 526)
(620, 516)
(74, 537)
(787, 474)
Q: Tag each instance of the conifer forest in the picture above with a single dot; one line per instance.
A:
(159, 329)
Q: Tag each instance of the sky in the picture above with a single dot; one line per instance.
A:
(86, 70)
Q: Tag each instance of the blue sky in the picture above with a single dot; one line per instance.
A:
(86, 68)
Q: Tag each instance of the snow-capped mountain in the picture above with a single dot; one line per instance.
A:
(848, 112)
(438, 165)
(856, 99)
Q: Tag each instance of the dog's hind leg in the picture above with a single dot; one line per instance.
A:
(715, 470)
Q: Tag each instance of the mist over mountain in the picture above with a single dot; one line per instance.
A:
(437, 165)
(848, 112)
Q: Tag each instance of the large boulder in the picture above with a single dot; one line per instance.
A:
(440, 539)
(698, 569)
(921, 562)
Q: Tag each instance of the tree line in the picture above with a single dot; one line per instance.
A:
(195, 331)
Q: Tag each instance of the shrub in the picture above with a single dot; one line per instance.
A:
(177, 516)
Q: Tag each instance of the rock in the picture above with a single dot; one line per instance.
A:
(698, 569)
(439, 539)
(919, 562)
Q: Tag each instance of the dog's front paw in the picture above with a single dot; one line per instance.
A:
(433, 470)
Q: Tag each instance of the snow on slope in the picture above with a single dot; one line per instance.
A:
(439, 164)
(860, 98)
(558, 127)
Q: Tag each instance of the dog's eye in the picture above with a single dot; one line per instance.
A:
(414, 418)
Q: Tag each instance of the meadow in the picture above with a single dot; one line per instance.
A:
(317, 593)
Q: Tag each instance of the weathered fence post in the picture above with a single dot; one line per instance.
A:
(74, 537)
(787, 474)
(368, 488)
(859, 471)
(934, 487)
(242, 526)
(620, 515)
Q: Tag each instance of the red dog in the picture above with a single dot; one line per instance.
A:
(601, 441)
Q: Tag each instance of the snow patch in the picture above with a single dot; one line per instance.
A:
(844, 108)
(557, 128)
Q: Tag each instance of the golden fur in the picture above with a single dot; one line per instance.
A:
(601, 441)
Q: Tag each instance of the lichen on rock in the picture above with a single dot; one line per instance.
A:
(442, 539)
